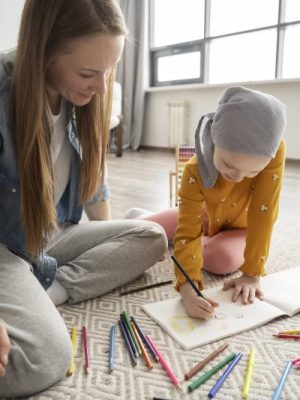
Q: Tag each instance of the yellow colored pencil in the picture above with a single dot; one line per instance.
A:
(246, 387)
(297, 332)
(74, 340)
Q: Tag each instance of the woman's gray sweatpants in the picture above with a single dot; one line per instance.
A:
(93, 258)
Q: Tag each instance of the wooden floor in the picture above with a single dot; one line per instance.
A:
(141, 179)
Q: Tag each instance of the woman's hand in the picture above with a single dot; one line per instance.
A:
(4, 348)
(196, 306)
(246, 286)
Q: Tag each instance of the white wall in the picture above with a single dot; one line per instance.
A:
(10, 15)
(204, 98)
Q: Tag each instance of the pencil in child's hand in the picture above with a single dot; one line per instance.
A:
(180, 267)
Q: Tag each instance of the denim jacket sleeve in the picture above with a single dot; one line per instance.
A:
(102, 193)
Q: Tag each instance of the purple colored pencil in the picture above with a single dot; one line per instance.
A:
(145, 340)
(131, 354)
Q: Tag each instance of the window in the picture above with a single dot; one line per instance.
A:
(221, 41)
(244, 57)
(168, 17)
(177, 54)
(291, 58)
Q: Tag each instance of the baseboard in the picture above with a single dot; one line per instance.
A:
(157, 148)
(292, 161)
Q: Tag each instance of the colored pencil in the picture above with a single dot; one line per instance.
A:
(131, 354)
(154, 355)
(204, 362)
(130, 340)
(86, 349)
(144, 352)
(297, 364)
(153, 285)
(74, 340)
(203, 378)
(111, 357)
(159, 398)
(213, 391)
(286, 336)
(126, 320)
(279, 387)
(246, 386)
(291, 332)
(164, 364)
(180, 267)
(296, 360)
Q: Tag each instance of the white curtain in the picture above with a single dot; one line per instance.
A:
(133, 70)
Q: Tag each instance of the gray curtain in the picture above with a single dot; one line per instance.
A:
(133, 70)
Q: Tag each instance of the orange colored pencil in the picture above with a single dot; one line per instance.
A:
(144, 352)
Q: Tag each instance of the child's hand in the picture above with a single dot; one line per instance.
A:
(4, 348)
(246, 286)
(196, 306)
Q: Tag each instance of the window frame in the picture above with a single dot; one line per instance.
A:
(184, 48)
(203, 45)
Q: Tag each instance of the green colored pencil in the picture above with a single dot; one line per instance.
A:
(203, 378)
(128, 324)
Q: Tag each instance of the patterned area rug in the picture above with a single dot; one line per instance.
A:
(138, 383)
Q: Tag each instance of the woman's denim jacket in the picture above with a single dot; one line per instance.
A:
(68, 209)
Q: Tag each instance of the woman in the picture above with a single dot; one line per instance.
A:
(55, 98)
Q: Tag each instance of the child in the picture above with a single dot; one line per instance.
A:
(229, 196)
(55, 96)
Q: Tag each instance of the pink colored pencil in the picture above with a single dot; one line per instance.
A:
(296, 361)
(86, 349)
(164, 364)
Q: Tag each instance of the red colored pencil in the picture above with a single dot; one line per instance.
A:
(86, 349)
(285, 336)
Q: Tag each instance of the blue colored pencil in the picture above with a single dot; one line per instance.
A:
(279, 387)
(112, 348)
(122, 329)
(213, 391)
(145, 340)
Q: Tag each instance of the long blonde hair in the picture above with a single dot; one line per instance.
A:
(46, 27)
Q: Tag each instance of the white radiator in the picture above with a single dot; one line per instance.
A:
(178, 123)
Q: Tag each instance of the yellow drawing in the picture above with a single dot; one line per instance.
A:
(182, 324)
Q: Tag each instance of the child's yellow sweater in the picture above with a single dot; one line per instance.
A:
(252, 203)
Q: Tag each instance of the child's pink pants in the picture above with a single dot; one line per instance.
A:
(222, 253)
